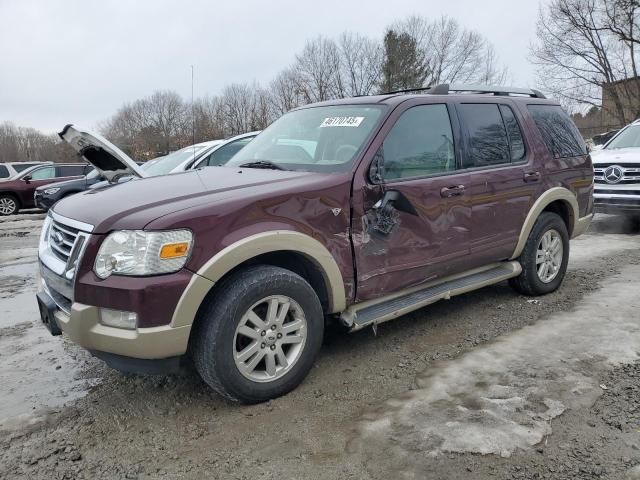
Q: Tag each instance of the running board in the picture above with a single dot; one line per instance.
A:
(392, 306)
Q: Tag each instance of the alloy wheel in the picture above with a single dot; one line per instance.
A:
(549, 256)
(269, 338)
(7, 206)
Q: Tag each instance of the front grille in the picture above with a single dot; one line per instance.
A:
(631, 173)
(605, 191)
(62, 238)
(617, 201)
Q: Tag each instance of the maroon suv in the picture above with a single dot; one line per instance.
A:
(18, 192)
(356, 210)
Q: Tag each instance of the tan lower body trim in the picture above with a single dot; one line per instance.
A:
(82, 327)
(582, 225)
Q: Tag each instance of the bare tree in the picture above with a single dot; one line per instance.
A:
(209, 116)
(584, 46)
(317, 70)
(361, 64)
(451, 53)
(21, 144)
(284, 93)
(237, 99)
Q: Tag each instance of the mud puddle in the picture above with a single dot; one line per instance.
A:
(502, 397)
(37, 372)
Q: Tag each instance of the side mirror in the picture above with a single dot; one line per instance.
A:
(376, 170)
(27, 178)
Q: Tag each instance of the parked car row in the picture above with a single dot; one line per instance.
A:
(18, 191)
(43, 184)
(354, 211)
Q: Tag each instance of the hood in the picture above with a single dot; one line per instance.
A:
(135, 204)
(66, 183)
(101, 153)
(616, 155)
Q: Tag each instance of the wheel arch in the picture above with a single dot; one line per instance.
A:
(558, 200)
(295, 251)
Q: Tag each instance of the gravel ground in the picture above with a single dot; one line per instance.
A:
(66, 415)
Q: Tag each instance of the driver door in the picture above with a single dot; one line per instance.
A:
(412, 211)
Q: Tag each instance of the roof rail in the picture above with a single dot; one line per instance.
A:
(445, 88)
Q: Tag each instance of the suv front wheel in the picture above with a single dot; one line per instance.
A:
(259, 334)
(544, 258)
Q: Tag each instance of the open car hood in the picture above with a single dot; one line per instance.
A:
(108, 159)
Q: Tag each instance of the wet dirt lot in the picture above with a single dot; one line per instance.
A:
(487, 385)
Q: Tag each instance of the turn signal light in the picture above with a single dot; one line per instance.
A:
(174, 250)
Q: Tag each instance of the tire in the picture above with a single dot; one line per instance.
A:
(530, 281)
(220, 341)
(8, 205)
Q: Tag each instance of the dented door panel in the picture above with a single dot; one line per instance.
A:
(396, 249)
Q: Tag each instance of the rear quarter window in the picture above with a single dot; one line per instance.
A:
(4, 172)
(558, 131)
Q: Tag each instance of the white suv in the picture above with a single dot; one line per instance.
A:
(617, 173)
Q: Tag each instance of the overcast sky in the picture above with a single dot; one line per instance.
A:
(76, 61)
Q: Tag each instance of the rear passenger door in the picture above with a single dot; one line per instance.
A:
(502, 179)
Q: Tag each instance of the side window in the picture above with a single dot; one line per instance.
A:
(420, 143)
(70, 170)
(516, 142)
(43, 173)
(558, 131)
(487, 135)
(224, 153)
(19, 167)
(4, 171)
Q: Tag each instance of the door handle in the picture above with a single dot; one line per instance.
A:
(531, 176)
(455, 191)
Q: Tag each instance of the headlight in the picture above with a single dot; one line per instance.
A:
(140, 253)
(51, 191)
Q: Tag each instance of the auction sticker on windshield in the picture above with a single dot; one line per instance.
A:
(342, 122)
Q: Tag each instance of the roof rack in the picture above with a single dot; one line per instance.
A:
(445, 88)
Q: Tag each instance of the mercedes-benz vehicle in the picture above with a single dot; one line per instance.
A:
(354, 211)
(617, 173)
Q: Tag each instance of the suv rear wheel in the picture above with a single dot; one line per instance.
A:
(544, 258)
(258, 336)
(8, 205)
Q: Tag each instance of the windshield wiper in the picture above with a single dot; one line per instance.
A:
(262, 164)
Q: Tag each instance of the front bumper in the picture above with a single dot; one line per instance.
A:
(156, 350)
(617, 205)
(71, 297)
(43, 201)
(82, 326)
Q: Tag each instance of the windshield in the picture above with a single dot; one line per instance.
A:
(317, 139)
(628, 138)
(164, 165)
